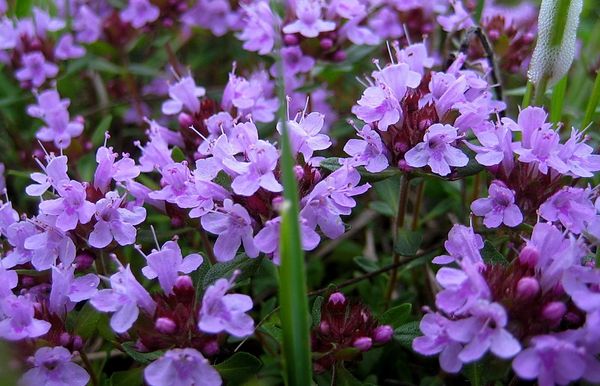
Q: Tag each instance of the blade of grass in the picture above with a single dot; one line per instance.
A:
(558, 100)
(593, 103)
(293, 301)
(527, 96)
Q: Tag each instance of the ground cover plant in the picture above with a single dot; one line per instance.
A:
(328, 192)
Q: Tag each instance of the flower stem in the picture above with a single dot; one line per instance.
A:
(398, 224)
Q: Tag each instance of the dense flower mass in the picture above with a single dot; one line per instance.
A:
(180, 179)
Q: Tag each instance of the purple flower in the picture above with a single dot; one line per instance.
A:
(87, 24)
(139, 13)
(435, 340)
(201, 196)
(551, 360)
(259, 31)
(267, 239)
(176, 179)
(184, 367)
(53, 367)
(71, 208)
(583, 285)
(496, 147)
(49, 244)
(67, 49)
(225, 312)
(125, 298)
(368, 151)
(258, 172)
(484, 329)
(107, 169)
(115, 222)
(571, 206)
(462, 288)
(35, 69)
(253, 96)
(436, 150)
(53, 110)
(67, 290)
(184, 93)
(294, 60)
(19, 321)
(446, 90)
(166, 263)
(381, 103)
(462, 244)
(309, 23)
(331, 198)
(457, 21)
(233, 225)
(499, 207)
(305, 135)
(155, 154)
(8, 280)
(578, 157)
(215, 15)
(8, 216)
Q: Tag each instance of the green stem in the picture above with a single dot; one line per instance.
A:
(527, 96)
(540, 92)
(479, 11)
(558, 100)
(398, 224)
(593, 103)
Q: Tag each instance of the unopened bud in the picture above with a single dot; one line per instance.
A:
(363, 344)
(529, 256)
(184, 283)
(339, 56)
(554, 311)
(299, 172)
(383, 334)
(337, 298)
(165, 325)
(84, 261)
(185, 120)
(324, 327)
(65, 339)
(290, 39)
(326, 43)
(527, 288)
(211, 348)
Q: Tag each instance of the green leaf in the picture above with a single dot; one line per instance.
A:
(397, 316)
(132, 377)
(239, 367)
(316, 310)
(490, 255)
(406, 333)
(103, 127)
(87, 321)
(382, 207)
(367, 265)
(408, 242)
(177, 154)
(344, 377)
(141, 357)
(219, 270)
(23, 8)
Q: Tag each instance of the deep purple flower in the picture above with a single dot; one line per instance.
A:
(115, 222)
(53, 367)
(67, 290)
(225, 312)
(184, 367)
(125, 298)
(166, 263)
(233, 225)
(309, 22)
(71, 207)
(368, 151)
(139, 13)
(184, 93)
(571, 206)
(437, 151)
(499, 207)
(36, 69)
(19, 321)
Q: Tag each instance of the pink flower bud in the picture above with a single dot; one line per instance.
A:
(339, 56)
(211, 348)
(185, 120)
(326, 43)
(299, 172)
(554, 311)
(184, 283)
(529, 256)
(290, 39)
(65, 339)
(84, 261)
(165, 325)
(324, 327)
(527, 288)
(383, 334)
(77, 343)
(337, 298)
(363, 344)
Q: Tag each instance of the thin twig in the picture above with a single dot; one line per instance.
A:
(88, 365)
(418, 203)
(208, 247)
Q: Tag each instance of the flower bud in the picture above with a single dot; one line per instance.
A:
(290, 39)
(529, 256)
(185, 120)
(363, 344)
(324, 327)
(527, 288)
(299, 172)
(84, 261)
(211, 348)
(65, 339)
(165, 325)
(77, 343)
(326, 43)
(554, 311)
(337, 298)
(184, 284)
(383, 334)
(339, 56)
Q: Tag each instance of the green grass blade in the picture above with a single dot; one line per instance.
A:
(558, 100)
(527, 96)
(593, 103)
(293, 300)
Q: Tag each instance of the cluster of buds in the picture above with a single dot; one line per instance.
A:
(346, 330)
